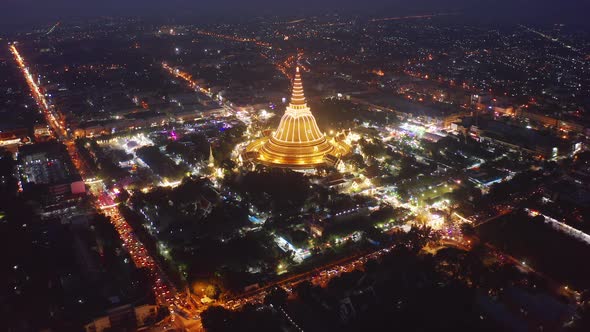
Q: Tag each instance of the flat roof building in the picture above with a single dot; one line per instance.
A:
(48, 164)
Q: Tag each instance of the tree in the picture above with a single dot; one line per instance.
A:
(277, 297)
(161, 164)
(467, 229)
(355, 160)
(582, 321)
(299, 238)
(228, 165)
(122, 197)
(304, 291)
(268, 189)
(371, 266)
(216, 318)
(8, 183)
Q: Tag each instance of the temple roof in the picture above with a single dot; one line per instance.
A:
(297, 142)
(297, 97)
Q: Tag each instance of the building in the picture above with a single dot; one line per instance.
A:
(142, 120)
(428, 113)
(42, 132)
(123, 318)
(527, 140)
(13, 137)
(48, 165)
(297, 143)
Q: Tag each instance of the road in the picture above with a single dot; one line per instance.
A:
(501, 214)
(186, 77)
(39, 96)
(164, 291)
(504, 257)
(185, 312)
(233, 38)
(319, 276)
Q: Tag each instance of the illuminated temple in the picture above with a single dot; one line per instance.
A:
(297, 142)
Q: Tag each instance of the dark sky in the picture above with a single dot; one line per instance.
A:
(40, 11)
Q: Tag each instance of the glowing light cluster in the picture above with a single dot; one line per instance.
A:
(185, 76)
(233, 38)
(37, 93)
(297, 142)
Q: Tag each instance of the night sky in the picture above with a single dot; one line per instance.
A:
(543, 11)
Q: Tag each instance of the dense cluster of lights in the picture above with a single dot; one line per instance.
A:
(319, 277)
(165, 294)
(38, 94)
(233, 38)
(186, 77)
(138, 252)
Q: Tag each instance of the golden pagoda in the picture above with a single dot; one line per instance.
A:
(297, 142)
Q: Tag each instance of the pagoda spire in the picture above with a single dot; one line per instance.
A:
(298, 98)
(211, 163)
(297, 143)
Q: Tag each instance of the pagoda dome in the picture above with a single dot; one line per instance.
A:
(297, 142)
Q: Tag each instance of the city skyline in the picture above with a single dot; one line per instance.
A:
(18, 14)
(341, 166)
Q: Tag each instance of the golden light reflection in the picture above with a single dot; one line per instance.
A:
(297, 142)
